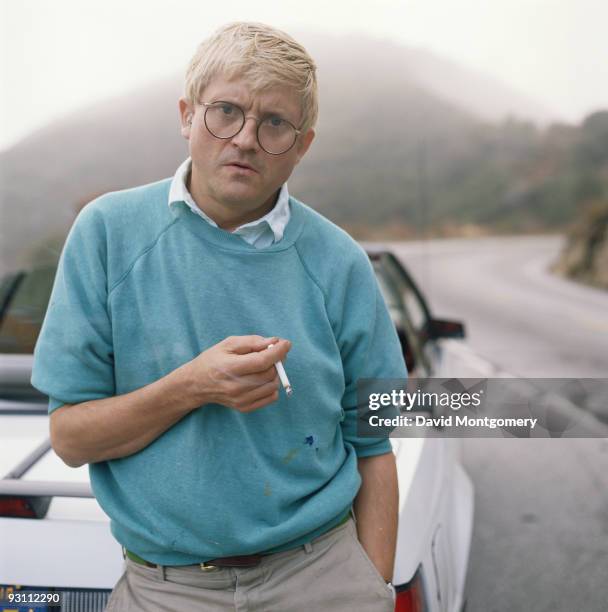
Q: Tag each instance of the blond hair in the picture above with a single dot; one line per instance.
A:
(263, 55)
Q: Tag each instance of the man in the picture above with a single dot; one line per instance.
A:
(225, 493)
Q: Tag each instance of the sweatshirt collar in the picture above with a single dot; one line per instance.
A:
(276, 219)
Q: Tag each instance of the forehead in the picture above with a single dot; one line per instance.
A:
(277, 98)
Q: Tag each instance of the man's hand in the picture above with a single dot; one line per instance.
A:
(238, 372)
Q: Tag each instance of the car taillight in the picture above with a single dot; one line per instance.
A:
(24, 507)
(410, 596)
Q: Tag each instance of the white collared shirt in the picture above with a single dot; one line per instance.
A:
(259, 233)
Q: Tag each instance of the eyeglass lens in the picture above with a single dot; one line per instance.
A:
(275, 135)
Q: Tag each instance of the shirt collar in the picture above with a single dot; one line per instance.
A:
(277, 218)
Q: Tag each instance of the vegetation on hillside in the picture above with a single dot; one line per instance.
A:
(585, 257)
(511, 177)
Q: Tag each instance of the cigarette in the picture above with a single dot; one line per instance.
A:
(282, 375)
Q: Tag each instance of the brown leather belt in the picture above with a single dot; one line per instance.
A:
(240, 561)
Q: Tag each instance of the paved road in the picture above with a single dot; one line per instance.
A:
(519, 317)
(540, 540)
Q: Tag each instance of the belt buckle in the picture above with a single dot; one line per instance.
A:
(208, 567)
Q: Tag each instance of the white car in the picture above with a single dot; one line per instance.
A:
(55, 538)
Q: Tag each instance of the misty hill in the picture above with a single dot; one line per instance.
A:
(482, 95)
(390, 150)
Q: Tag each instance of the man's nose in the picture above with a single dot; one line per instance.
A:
(247, 138)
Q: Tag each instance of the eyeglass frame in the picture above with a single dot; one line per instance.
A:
(245, 117)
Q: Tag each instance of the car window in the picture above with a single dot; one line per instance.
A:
(416, 309)
(24, 313)
(8, 286)
(392, 287)
(387, 288)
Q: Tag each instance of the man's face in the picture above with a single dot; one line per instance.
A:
(213, 177)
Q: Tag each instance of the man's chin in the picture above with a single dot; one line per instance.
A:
(244, 198)
(241, 194)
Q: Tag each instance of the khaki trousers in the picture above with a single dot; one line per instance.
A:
(330, 574)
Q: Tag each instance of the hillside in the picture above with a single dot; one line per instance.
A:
(585, 256)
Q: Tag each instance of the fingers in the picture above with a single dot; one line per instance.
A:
(242, 345)
(263, 395)
(263, 359)
(252, 380)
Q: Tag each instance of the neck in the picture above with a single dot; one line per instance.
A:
(227, 216)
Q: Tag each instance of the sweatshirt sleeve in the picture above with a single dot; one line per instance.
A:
(370, 348)
(73, 357)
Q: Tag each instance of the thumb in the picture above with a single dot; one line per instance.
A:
(281, 347)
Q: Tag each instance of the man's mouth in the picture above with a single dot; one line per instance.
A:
(239, 166)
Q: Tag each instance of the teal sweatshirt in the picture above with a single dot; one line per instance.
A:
(142, 288)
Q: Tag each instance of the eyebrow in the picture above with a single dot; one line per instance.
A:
(275, 111)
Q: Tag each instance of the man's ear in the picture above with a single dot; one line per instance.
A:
(186, 112)
(304, 144)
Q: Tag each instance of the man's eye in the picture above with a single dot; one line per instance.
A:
(227, 109)
(275, 121)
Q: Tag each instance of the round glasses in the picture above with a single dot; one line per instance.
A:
(225, 120)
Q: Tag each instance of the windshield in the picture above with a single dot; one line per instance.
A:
(24, 312)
